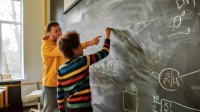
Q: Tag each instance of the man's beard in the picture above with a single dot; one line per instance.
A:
(55, 39)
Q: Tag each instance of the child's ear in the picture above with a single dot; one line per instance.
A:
(74, 50)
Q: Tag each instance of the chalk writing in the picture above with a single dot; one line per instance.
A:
(181, 3)
(110, 68)
(177, 21)
(171, 106)
(170, 78)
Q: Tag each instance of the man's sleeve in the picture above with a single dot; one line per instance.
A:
(84, 45)
(50, 50)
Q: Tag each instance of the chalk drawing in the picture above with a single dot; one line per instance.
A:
(130, 97)
(170, 79)
(181, 3)
(171, 106)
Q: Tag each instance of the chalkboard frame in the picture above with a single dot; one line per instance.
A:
(71, 6)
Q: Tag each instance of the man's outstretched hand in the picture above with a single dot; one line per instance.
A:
(94, 41)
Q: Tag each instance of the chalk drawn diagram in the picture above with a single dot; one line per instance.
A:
(171, 106)
(128, 32)
(177, 21)
(110, 68)
(137, 28)
(98, 100)
(130, 97)
(170, 79)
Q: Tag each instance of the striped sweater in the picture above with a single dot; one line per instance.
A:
(73, 80)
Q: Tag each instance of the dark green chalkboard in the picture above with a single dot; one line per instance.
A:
(154, 62)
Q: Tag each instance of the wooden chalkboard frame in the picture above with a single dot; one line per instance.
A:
(71, 6)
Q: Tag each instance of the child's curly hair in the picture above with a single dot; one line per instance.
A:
(67, 42)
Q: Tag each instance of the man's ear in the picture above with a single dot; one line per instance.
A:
(48, 33)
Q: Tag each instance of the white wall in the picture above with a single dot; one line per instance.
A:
(34, 25)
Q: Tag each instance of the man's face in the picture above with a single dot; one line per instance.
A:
(55, 32)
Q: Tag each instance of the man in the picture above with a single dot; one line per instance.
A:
(52, 59)
(73, 75)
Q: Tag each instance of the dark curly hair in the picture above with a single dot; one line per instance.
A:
(67, 42)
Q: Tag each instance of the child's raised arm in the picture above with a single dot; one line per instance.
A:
(93, 58)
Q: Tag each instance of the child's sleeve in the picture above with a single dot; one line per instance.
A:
(60, 96)
(93, 58)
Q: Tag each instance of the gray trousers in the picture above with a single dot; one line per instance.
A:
(49, 99)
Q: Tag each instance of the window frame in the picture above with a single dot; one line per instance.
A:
(22, 77)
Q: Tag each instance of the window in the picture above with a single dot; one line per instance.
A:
(11, 41)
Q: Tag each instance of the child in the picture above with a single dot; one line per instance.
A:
(73, 76)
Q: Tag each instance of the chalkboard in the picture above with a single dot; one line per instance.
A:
(153, 64)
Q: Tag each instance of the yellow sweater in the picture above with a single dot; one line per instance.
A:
(52, 59)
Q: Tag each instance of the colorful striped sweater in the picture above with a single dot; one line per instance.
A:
(73, 80)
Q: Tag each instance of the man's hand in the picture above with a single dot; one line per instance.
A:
(108, 31)
(94, 41)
